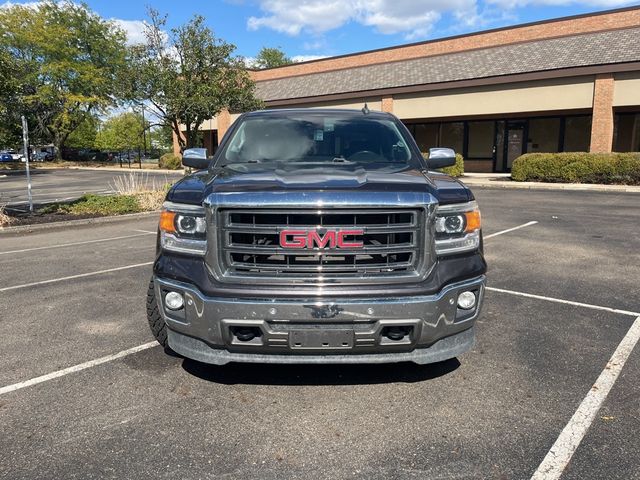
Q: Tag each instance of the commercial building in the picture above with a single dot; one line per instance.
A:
(570, 84)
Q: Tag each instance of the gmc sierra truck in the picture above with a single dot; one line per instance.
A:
(317, 236)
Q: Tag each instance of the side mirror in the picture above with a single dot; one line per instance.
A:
(441, 157)
(195, 158)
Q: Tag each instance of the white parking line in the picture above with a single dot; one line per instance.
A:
(567, 302)
(528, 224)
(71, 277)
(565, 446)
(76, 368)
(85, 242)
(145, 231)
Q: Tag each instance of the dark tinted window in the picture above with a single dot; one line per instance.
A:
(317, 138)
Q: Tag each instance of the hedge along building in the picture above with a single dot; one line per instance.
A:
(570, 84)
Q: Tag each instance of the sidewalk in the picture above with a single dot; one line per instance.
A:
(503, 180)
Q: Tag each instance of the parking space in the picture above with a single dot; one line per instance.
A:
(54, 185)
(493, 413)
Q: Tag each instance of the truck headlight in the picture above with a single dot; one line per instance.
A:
(457, 228)
(183, 228)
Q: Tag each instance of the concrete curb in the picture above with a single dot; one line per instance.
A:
(114, 169)
(75, 223)
(106, 169)
(576, 187)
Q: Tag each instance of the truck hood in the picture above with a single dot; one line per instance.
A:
(281, 178)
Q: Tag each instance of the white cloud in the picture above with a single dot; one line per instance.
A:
(13, 4)
(133, 28)
(512, 4)
(413, 18)
(307, 58)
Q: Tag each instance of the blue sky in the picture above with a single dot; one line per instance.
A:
(309, 28)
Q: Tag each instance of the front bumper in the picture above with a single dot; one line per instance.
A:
(336, 330)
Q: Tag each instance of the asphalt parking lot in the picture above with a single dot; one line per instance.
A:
(554, 368)
(59, 184)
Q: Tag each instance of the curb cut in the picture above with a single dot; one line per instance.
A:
(566, 187)
(75, 223)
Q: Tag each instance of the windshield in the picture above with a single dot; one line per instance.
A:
(310, 138)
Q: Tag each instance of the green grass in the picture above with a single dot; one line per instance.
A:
(90, 204)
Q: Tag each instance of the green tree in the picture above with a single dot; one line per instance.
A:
(271, 57)
(188, 76)
(85, 135)
(10, 133)
(161, 138)
(68, 58)
(123, 132)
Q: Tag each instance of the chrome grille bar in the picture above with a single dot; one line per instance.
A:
(249, 246)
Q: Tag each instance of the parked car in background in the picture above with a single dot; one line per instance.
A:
(42, 157)
(6, 157)
(15, 156)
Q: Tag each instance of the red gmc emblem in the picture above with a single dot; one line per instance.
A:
(312, 239)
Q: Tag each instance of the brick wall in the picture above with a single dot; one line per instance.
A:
(555, 28)
(602, 123)
(224, 122)
(387, 104)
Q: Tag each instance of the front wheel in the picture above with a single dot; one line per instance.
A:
(156, 322)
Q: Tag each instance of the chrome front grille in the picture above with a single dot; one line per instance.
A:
(393, 244)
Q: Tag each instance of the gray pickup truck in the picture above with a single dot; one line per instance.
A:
(317, 236)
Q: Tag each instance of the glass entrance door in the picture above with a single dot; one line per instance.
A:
(514, 146)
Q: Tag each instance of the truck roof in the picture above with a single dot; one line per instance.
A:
(284, 112)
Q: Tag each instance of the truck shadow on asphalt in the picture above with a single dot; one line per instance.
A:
(269, 374)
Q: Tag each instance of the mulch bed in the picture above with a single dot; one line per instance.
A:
(18, 219)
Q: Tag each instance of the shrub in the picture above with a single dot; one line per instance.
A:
(456, 170)
(5, 219)
(578, 167)
(135, 183)
(152, 200)
(170, 161)
(90, 204)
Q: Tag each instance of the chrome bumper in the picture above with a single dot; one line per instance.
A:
(354, 329)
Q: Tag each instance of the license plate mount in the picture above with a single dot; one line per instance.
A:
(320, 339)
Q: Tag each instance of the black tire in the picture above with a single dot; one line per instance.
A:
(156, 323)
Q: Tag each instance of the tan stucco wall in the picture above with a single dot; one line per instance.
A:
(627, 89)
(543, 95)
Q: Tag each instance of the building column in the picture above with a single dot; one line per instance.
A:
(224, 122)
(602, 121)
(387, 104)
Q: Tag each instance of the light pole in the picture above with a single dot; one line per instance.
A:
(25, 143)
(144, 132)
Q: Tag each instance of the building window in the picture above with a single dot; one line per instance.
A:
(426, 135)
(481, 137)
(452, 136)
(626, 132)
(544, 135)
(577, 134)
(493, 145)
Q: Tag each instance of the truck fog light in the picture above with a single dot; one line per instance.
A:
(467, 300)
(173, 301)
